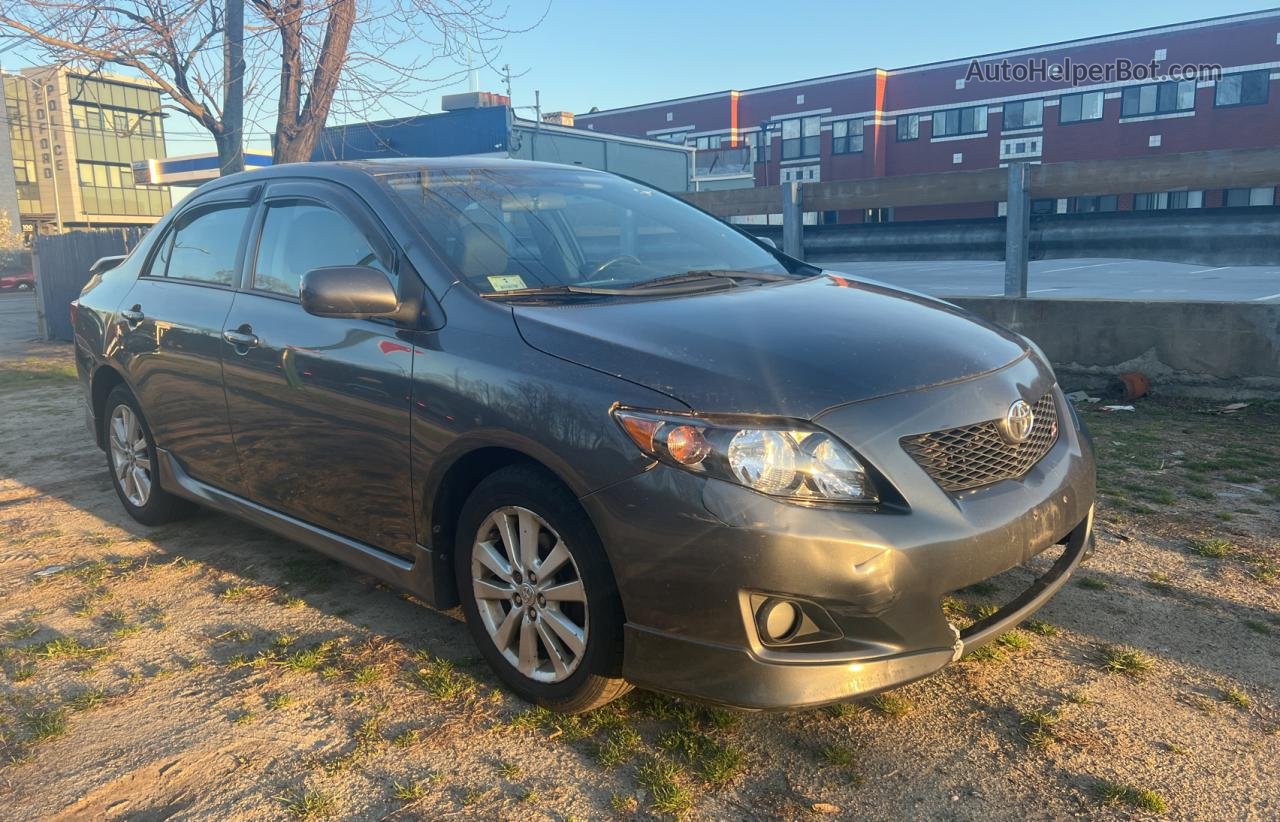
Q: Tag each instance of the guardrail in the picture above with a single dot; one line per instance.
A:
(1016, 185)
(1202, 236)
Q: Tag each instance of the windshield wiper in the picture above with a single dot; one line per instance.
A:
(650, 288)
(695, 274)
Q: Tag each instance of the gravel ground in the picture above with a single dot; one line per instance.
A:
(208, 669)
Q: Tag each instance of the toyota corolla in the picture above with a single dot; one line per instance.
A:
(637, 445)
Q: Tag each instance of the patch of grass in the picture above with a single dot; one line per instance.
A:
(1263, 569)
(1225, 516)
(439, 678)
(308, 804)
(22, 629)
(1144, 799)
(845, 710)
(623, 803)
(1092, 584)
(366, 675)
(840, 756)
(64, 647)
(33, 372)
(508, 769)
(243, 717)
(87, 699)
(473, 795)
(1014, 639)
(1040, 628)
(22, 672)
(411, 792)
(1078, 697)
(662, 778)
(236, 593)
(1236, 698)
(1125, 660)
(307, 659)
(1258, 627)
(289, 601)
(1038, 727)
(1215, 548)
(986, 653)
(278, 702)
(619, 747)
(891, 704)
(406, 739)
(46, 724)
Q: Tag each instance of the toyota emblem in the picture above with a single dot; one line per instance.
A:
(1018, 422)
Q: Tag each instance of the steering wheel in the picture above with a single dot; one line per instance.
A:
(600, 269)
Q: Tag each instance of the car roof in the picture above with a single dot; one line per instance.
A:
(353, 172)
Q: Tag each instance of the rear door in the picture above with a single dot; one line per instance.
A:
(172, 321)
(320, 406)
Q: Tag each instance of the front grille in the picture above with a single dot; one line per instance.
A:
(975, 455)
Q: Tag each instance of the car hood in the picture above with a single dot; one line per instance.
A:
(792, 349)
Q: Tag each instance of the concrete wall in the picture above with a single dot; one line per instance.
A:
(1208, 349)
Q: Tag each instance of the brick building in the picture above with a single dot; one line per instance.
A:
(986, 111)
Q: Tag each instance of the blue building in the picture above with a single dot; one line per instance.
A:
(477, 126)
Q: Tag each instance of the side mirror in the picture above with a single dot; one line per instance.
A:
(105, 264)
(351, 291)
(769, 242)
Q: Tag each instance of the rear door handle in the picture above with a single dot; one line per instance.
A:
(134, 315)
(242, 337)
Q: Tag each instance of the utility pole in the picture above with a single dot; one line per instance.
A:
(506, 78)
(537, 124)
(231, 146)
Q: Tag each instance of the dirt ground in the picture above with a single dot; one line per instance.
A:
(208, 669)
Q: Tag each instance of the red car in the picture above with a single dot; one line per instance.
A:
(22, 281)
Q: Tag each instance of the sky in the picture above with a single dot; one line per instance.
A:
(611, 53)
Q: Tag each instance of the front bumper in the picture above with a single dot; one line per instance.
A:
(690, 554)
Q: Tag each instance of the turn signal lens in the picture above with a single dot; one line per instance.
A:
(640, 429)
(686, 445)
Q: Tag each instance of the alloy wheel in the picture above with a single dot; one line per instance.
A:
(129, 457)
(529, 594)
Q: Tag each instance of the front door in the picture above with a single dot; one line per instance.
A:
(319, 406)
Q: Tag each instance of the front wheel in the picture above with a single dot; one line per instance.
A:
(538, 593)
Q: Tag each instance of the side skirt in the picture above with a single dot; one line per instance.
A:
(415, 577)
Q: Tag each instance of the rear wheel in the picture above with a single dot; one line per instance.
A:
(131, 456)
(538, 593)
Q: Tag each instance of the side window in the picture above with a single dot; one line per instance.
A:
(202, 248)
(298, 236)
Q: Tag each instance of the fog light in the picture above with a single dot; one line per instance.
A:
(778, 620)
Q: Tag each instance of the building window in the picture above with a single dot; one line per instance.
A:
(1165, 200)
(1077, 108)
(707, 143)
(801, 138)
(1263, 196)
(1158, 98)
(1045, 206)
(908, 127)
(1093, 205)
(1249, 88)
(846, 136)
(960, 121)
(1023, 114)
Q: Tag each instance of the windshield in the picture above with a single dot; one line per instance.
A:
(520, 228)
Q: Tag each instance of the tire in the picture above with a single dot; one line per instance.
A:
(131, 467)
(510, 607)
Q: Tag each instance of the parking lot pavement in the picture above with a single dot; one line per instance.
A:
(17, 319)
(1111, 279)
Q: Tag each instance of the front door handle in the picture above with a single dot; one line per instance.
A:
(134, 315)
(242, 337)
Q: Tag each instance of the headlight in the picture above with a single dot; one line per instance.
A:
(785, 459)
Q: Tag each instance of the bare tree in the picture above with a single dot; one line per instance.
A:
(285, 68)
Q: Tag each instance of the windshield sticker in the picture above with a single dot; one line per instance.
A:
(506, 282)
